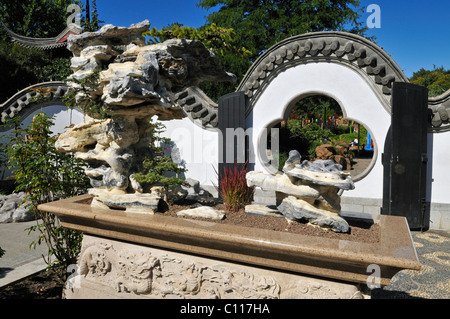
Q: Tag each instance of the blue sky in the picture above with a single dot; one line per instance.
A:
(416, 33)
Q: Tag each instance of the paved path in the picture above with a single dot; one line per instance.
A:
(359, 166)
(433, 280)
(19, 260)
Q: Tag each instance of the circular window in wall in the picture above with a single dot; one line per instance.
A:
(316, 127)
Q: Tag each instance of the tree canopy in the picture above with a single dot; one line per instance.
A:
(263, 23)
(437, 80)
(259, 24)
(35, 18)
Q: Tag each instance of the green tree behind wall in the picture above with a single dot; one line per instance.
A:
(259, 24)
(437, 80)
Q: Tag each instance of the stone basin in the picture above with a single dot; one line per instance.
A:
(334, 259)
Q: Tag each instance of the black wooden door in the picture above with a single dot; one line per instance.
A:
(405, 156)
(232, 140)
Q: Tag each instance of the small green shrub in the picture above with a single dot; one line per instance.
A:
(47, 175)
(233, 188)
(2, 252)
(158, 168)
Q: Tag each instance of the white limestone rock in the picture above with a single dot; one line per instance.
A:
(131, 203)
(136, 82)
(280, 183)
(263, 210)
(13, 210)
(319, 172)
(202, 212)
(306, 191)
(296, 209)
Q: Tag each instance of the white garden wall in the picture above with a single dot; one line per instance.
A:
(348, 88)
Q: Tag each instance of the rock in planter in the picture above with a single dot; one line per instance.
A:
(135, 82)
(262, 210)
(132, 203)
(307, 191)
(196, 193)
(202, 212)
(295, 209)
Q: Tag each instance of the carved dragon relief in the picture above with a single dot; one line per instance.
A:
(142, 273)
(157, 274)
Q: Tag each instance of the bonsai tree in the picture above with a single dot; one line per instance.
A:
(159, 170)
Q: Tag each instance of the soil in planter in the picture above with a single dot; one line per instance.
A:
(44, 285)
(360, 230)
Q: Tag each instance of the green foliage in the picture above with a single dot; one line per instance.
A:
(233, 188)
(263, 23)
(22, 67)
(58, 69)
(221, 41)
(90, 22)
(437, 80)
(323, 105)
(308, 137)
(47, 175)
(2, 252)
(81, 96)
(35, 18)
(159, 167)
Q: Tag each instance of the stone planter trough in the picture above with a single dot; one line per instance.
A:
(269, 254)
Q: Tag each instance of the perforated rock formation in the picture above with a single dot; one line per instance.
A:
(307, 191)
(135, 82)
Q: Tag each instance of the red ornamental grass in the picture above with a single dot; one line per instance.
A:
(233, 188)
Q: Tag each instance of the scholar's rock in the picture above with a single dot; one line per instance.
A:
(295, 209)
(136, 82)
(307, 191)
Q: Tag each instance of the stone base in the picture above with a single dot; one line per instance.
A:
(110, 269)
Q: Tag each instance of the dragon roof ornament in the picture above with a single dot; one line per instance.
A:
(43, 43)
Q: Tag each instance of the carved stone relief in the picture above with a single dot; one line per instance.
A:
(133, 271)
